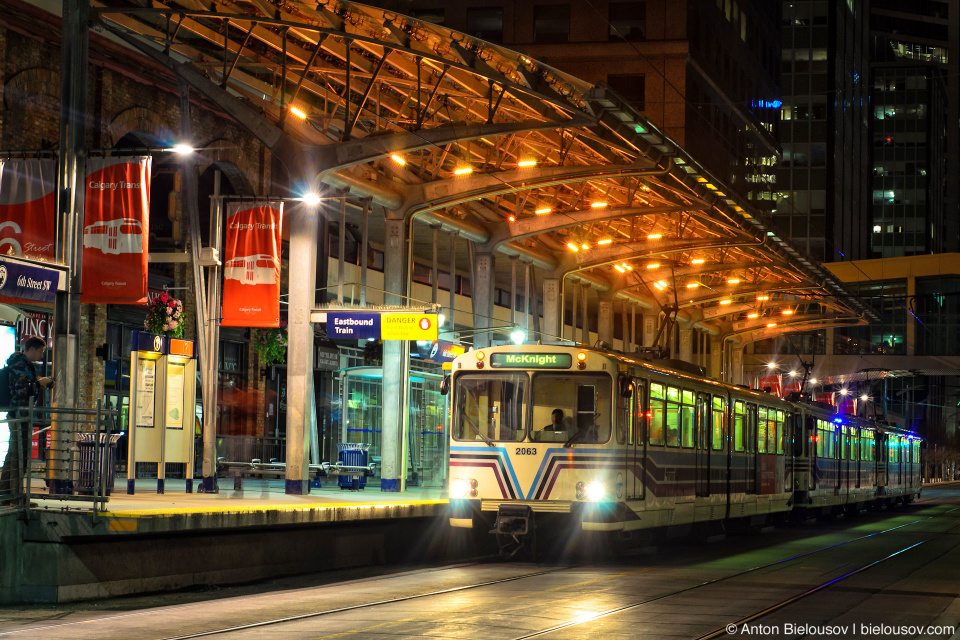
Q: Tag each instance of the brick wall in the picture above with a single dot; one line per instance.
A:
(118, 103)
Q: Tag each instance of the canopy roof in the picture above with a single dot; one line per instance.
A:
(520, 158)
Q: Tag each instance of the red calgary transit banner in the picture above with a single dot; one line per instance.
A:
(116, 230)
(251, 265)
(28, 207)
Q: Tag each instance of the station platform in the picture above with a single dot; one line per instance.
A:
(260, 503)
(63, 550)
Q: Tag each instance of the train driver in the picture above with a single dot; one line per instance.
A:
(556, 421)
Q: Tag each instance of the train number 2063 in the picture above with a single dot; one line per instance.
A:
(526, 451)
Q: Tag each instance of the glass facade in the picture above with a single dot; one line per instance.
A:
(889, 298)
(937, 307)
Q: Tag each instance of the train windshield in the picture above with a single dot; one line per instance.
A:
(585, 403)
(491, 407)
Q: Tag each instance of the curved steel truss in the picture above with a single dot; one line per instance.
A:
(438, 126)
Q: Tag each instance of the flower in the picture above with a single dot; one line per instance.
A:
(165, 315)
(271, 344)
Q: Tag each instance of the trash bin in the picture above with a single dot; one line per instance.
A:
(87, 446)
(353, 454)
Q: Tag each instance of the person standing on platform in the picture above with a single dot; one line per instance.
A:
(24, 388)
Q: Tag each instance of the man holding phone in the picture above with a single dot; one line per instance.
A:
(25, 387)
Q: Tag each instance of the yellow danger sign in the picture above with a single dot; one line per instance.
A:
(408, 326)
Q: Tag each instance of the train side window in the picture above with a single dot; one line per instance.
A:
(739, 419)
(718, 419)
(781, 418)
(821, 439)
(673, 417)
(637, 428)
(687, 413)
(762, 430)
(657, 396)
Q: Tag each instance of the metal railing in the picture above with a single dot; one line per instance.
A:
(82, 453)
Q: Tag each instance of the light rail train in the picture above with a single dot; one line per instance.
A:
(568, 438)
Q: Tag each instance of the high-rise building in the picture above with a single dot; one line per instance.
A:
(706, 72)
(913, 63)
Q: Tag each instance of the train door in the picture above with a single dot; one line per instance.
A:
(881, 459)
(855, 456)
(113, 235)
(703, 444)
(637, 442)
(753, 454)
(250, 273)
(837, 435)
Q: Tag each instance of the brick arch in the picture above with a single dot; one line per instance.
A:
(139, 119)
(32, 85)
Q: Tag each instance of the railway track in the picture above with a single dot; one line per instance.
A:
(66, 629)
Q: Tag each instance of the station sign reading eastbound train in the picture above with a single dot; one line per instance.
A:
(531, 360)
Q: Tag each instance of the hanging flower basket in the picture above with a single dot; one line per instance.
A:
(271, 345)
(165, 316)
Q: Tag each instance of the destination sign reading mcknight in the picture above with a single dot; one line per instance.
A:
(531, 360)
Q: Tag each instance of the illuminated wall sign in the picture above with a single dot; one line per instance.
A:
(181, 347)
(408, 326)
(143, 341)
(353, 326)
(531, 360)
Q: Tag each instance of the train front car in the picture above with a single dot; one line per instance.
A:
(533, 449)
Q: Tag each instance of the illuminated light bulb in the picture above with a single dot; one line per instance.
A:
(813, 381)
(627, 267)
(527, 163)
(619, 268)
(733, 281)
(793, 374)
(787, 312)
(771, 365)
(297, 112)
(653, 265)
(311, 199)
(543, 211)
(697, 261)
(726, 301)
(398, 159)
(585, 246)
(864, 397)
(645, 188)
(512, 218)
(660, 284)
(753, 315)
(604, 241)
(598, 205)
(654, 236)
(771, 325)
(844, 392)
(572, 247)
(182, 149)
(463, 171)
(693, 285)
(762, 298)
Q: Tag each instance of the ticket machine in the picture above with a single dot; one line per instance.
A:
(163, 374)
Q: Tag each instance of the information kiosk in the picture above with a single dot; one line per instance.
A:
(163, 375)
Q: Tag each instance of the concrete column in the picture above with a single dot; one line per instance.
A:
(735, 375)
(395, 361)
(304, 224)
(649, 328)
(716, 357)
(483, 269)
(686, 345)
(552, 313)
(71, 172)
(605, 320)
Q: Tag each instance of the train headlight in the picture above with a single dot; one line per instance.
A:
(594, 491)
(461, 488)
(590, 491)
